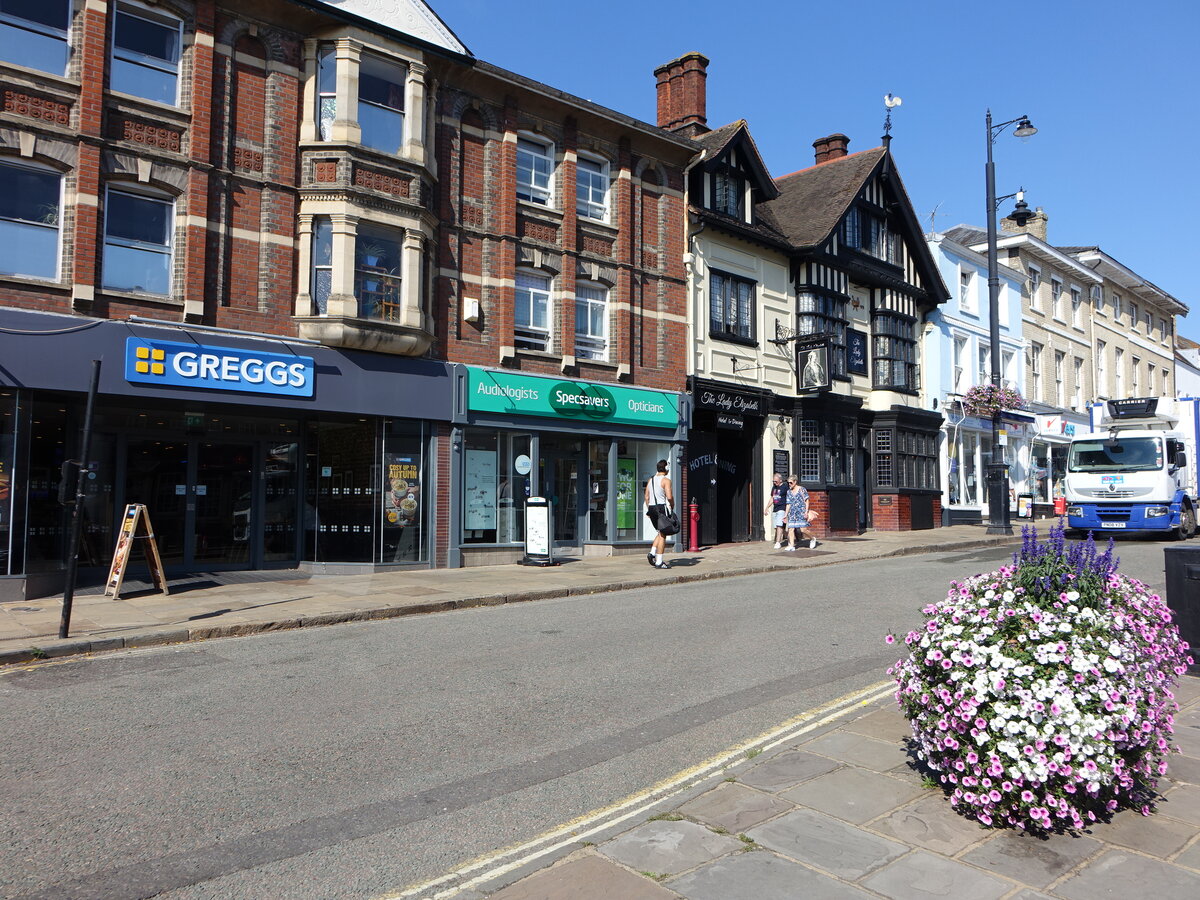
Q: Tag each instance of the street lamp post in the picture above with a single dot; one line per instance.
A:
(997, 476)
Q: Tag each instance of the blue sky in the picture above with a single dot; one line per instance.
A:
(1108, 85)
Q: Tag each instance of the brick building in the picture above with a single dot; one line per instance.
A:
(293, 233)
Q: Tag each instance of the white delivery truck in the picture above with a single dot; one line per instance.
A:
(1137, 469)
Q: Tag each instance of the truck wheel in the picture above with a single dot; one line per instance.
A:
(1187, 523)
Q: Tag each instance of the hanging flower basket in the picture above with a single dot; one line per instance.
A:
(1040, 695)
(985, 400)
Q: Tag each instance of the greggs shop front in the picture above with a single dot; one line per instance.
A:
(249, 452)
(587, 447)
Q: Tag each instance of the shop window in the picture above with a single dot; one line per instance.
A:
(322, 264)
(839, 453)
(636, 461)
(30, 219)
(145, 55)
(535, 169)
(822, 313)
(342, 516)
(381, 104)
(531, 312)
(137, 242)
(591, 189)
(597, 488)
(883, 458)
(591, 321)
(496, 480)
(377, 274)
(8, 412)
(405, 507)
(808, 441)
(36, 34)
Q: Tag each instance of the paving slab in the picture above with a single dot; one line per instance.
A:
(585, 878)
(1189, 857)
(932, 824)
(787, 770)
(827, 843)
(735, 807)
(1183, 803)
(922, 874)
(669, 847)
(1032, 860)
(853, 794)
(886, 724)
(1121, 874)
(859, 750)
(1153, 835)
(761, 876)
(1181, 767)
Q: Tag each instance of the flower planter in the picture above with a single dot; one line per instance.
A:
(1040, 694)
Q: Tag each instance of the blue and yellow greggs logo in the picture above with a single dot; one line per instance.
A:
(170, 364)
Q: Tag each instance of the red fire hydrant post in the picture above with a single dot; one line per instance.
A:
(693, 526)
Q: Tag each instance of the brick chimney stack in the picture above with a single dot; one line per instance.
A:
(682, 94)
(1035, 226)
(831, 147)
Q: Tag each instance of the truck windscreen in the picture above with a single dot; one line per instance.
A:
(1123, 455)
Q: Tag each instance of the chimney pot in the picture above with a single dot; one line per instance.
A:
(682, 94)
(831, 147)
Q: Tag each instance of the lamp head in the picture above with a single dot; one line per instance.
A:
(1024, 129)
(1021, 214)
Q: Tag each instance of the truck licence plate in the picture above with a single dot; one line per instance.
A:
(1112, 524)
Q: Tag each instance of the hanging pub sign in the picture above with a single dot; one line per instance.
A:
(812, 364)
(856, 352)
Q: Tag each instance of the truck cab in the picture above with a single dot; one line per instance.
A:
(1137, 471)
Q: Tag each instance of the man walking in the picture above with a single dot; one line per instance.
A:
(777, 508)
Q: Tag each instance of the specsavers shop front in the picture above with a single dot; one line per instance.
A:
(587, 447)
(248, 452)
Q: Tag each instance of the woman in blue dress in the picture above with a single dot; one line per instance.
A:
(797, 514)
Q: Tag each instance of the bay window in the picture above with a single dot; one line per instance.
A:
(381, 104)
(824, 313)
(377, 273)
(894, 352)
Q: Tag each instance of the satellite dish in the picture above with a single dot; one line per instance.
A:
(891, 101)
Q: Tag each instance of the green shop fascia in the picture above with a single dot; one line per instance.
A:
(586, 446)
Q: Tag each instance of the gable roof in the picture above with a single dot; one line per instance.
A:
(736, 135)
(412, 18)
(812, 201)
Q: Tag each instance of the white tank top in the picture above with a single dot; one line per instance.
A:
(657, 493)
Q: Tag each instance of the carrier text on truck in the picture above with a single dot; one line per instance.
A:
(1137, 470)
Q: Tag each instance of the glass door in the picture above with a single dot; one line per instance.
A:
(561, 485)
(156, 474)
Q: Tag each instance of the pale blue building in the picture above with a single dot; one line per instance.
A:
(957, 355)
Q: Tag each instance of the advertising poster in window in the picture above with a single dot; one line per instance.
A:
(402, 492)
(627, 494)
(480, 486)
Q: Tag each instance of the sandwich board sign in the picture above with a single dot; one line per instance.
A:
(539, 537)
(136, 515)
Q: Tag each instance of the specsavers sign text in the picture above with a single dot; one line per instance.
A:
(579, 400)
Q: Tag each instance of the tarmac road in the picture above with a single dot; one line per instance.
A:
(351, 761)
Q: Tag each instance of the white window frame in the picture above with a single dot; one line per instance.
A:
(591, 343)
(321, 243)
(1133, 316)
(1076, 304)
(167, 250)
(1118, 370)
(46, 33)
(1035, 369)
(958, 365)
(1101, 385)
(1149, 322)
(530, 288)
(1150, 379)
(156, 17)
(1166, 382)
(1060, 387)
(1162, 330)
(966, 289)
(1077, 393)
(1006, 368)
(1035, 284)
(1097, 295)
(1056, 289)
(326, 111)
(1117, 303)
(586, 189)
(539, 154)
(983, 359)
(56, 226)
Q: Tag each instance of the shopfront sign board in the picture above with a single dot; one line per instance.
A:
(216, 368)
(136, 519)
(568, 400)
(539, 536)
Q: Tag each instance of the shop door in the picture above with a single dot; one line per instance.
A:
(733, 486)
(560, 485)
(200, 499)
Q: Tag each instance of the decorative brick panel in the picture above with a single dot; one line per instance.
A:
(35, 107)
(539, 231)
(472, 215)
(325, 172)
(599, 246)
(149, 135)
(380, 181)
(244, 158)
